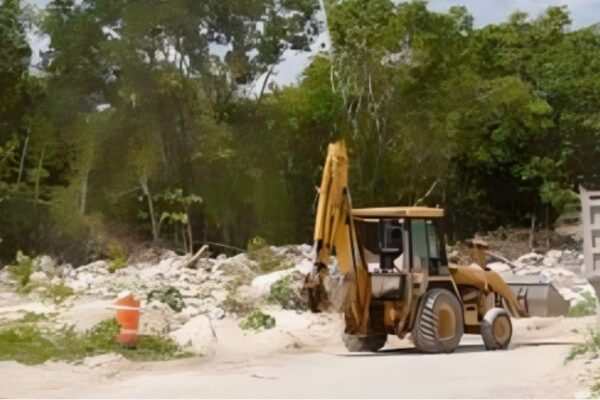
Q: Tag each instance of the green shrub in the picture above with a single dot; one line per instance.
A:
(169, 296)
(22, 269)
(58, 293)
(232, 305)
(283, 293)
(584, 308)
(591, 347)
(267, 259)
(30, 345)
(258, 321)
(117, 258)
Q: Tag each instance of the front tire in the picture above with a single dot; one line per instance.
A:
(364, 343)
(439, 324)
(496, 329)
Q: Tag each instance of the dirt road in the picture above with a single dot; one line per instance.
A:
(523, 371)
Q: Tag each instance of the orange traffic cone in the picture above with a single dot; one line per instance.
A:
(128, 316)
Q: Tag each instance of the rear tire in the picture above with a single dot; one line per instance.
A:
(364, 343)
(496, 329)
(439, 324)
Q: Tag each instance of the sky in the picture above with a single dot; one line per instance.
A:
(583, 13)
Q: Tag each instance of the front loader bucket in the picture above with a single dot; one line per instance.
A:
(542, 298)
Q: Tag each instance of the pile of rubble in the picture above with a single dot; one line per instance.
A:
(561, 268)
(213, 292)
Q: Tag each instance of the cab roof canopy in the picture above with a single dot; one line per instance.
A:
(398, 212)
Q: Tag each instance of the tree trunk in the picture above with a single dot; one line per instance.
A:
(146, 191)
(547, 227)
(83, 194)
(189, 232)
(532, 232)
(22, 164)
(37, 177)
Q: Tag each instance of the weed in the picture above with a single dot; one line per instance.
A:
(266, 258)
(283, 293)
(590, 347)
(596, 387)
(170, 296)
(117, 257)
(585, 307)
(22, 269)
(58, 293)
(234, 306)
(258, 321)
(236, 282)
(29, 344)
(33, 317)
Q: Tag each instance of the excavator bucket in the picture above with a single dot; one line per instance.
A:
(542, 299)
(539, 297)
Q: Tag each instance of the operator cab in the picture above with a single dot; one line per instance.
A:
(401, 240)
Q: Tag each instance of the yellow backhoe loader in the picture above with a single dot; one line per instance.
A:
(397, 276)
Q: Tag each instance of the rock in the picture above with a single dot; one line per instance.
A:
(556, 254)
(304, 267)
(571, 296)
(549, 262)
(46, 264)
(38, 277)
(529, 258)
(197, 334)
(102, 360)
(97, 267)
(157, 319)
(217, 313)
(5, 276)
(262, 283)
(56, 281)
(219, 294)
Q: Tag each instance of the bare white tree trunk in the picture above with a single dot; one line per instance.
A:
(22, 164)
(144, 185)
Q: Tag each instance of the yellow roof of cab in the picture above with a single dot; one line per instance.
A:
(398, 212)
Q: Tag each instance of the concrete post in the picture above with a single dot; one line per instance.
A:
(590, 215)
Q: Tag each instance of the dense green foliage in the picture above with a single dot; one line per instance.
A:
(136, 130)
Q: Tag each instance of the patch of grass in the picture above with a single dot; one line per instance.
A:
(58, 293)
(584, 308)
(232, 305)
(267, 259)
(22, 269)
(236, 282)
(169, 296)
(30, 345)
(258, 321)
(283, 293)
(596, 387)
(33, 317)
(591, 346)
(117, 257)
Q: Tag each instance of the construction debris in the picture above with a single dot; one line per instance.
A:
(218, 292)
